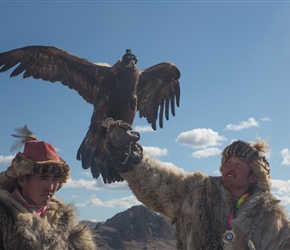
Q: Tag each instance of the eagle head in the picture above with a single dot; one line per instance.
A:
(129, 58)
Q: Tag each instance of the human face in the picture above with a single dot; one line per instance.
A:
(38, 189)
(237, 176)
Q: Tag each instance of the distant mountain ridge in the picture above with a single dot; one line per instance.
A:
(136, 228)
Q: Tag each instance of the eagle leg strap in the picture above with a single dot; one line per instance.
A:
(107, 122)
(133, 154)
(128, 155)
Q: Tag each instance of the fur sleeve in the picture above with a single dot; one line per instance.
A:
(80, 238)
(161, 187)
(64, 218)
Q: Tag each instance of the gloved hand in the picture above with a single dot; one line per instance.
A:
(122, 145)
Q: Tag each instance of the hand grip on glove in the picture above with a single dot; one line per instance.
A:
(122, 141)
(120, 135)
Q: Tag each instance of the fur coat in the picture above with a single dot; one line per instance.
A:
(199, 206)
(57, 230)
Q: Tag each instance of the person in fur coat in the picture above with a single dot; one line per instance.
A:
(30, 216)
(233, 211)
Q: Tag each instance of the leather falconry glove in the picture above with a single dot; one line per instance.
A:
(122, 146)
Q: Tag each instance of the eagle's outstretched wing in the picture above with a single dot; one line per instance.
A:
(158, 86)
(54, 64)
(111, 90)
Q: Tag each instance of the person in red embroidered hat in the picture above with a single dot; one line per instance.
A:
(30, 216)
(233, 211)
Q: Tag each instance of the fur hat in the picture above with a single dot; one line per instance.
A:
(254, 153)
(37, 157)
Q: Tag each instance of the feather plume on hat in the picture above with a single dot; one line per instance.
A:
(255, 153)
(24, 134)
(37, 157)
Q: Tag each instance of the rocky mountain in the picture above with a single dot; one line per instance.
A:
(135, 228)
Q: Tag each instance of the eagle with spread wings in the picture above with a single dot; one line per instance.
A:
(116, 92)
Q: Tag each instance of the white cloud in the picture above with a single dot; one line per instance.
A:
(286, 156)
(251, 122)
(285, 200)
(6, 159)
(95, 184)
(265, 119)
(155, 151)
(81, 183)
(200, 138)
(143, 129)
(281, 190)
(86, 173)
(280, 187)
(57, 149)
(206, 152)
(124, 202)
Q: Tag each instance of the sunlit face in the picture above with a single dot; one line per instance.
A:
(237, 175)
(38, 189)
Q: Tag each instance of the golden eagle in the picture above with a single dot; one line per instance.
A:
(116, 91)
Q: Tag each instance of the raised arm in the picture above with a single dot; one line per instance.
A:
(161, 187)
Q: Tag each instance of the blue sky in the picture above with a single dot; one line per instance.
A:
(234, 58)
